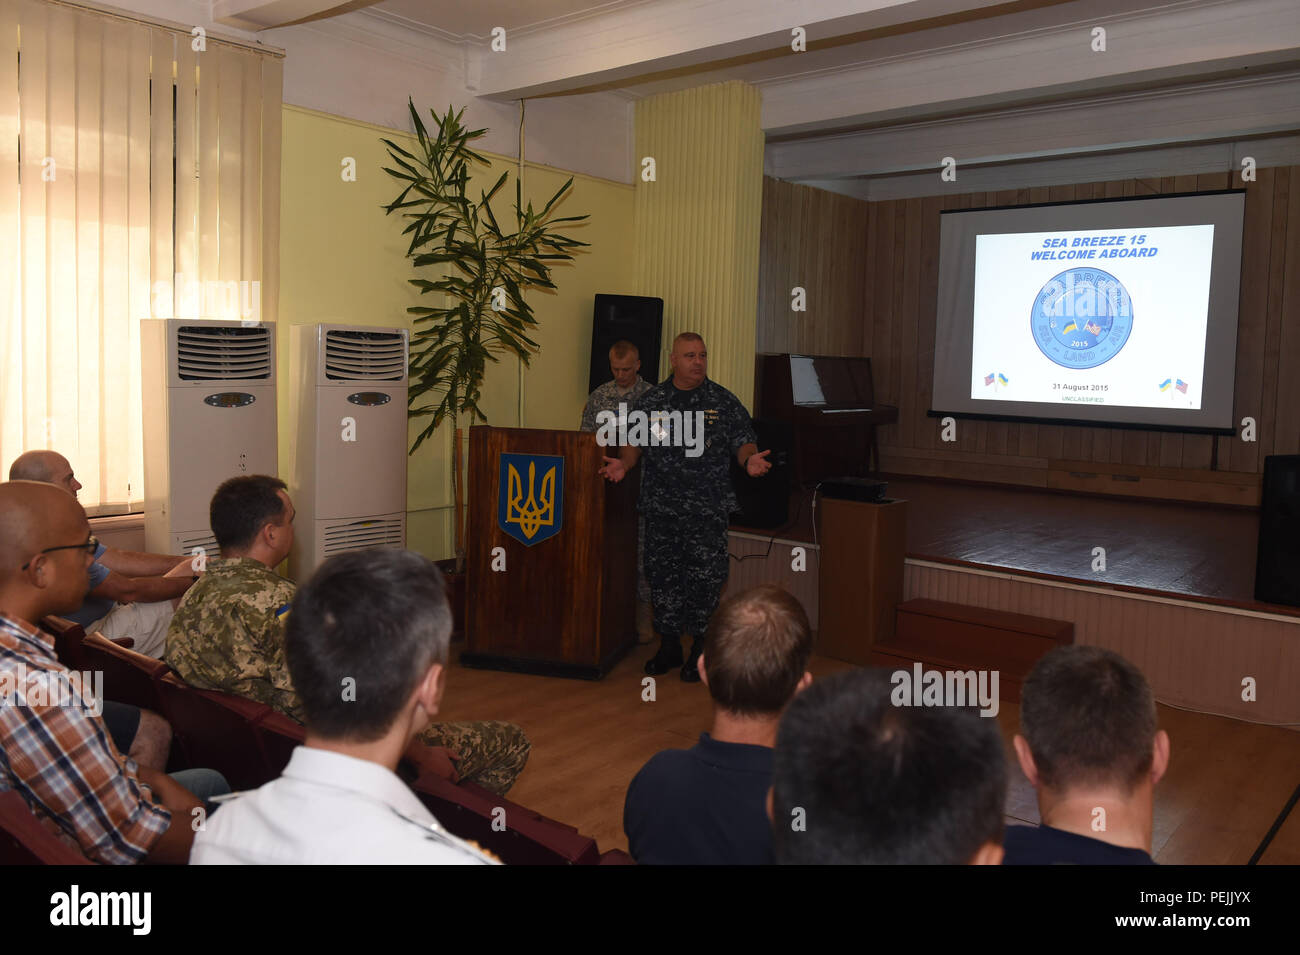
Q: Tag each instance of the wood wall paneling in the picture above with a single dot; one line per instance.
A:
(1287, 414)
(871, 273)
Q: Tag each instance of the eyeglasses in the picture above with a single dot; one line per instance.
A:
(91, 545)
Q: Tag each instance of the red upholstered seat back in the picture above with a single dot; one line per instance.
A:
(129, 677)
(279, 736)
(68, 637)
(217, 731)
(528, 838)
(25, 841)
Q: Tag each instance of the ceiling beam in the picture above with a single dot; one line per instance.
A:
(1031, 61)
(1222, 110)
(1192, 160)
(625, 43)
(267, 14)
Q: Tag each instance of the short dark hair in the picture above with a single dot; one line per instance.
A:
(756, 650)
(242, 506)
(1089, 717)
(883, 784)
(623, 348)
(377, 617)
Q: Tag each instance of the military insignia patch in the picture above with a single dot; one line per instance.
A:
(1081, 318)
(530, 503)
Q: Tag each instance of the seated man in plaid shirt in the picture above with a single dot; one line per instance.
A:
(54, 750)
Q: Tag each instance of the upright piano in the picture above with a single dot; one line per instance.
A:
(830, 404)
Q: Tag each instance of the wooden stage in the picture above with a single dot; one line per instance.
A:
(1193, 551)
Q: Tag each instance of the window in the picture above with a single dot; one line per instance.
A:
(139, 178)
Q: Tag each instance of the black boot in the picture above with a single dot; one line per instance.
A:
(669, 656)
(690, 669)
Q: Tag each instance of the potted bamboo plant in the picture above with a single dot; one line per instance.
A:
(476, 273)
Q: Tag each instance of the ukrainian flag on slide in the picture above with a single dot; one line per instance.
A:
(1002, 379)
(1164, 385)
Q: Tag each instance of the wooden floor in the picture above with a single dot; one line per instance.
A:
(1227, 781)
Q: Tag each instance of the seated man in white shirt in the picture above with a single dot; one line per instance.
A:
(366, 644)
(130, 594)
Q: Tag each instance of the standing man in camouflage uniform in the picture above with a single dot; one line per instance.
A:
(624, 390)
(686, 497)
(228, 634)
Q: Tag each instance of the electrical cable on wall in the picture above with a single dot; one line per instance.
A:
(519, 362)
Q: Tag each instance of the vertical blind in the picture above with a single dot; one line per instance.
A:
(139, 178)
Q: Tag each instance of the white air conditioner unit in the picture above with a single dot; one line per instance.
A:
(208, 389)
(348, 472)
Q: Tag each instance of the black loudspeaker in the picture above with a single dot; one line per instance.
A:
(1277, 566)
(765, 501)
(636, 318)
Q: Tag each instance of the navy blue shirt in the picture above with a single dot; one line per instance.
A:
(1043, 845)
(706, 805)
(674, 482)
(93, 609)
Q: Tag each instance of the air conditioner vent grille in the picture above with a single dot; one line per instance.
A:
(200, 545)
(364, 356)
(223, 353)
(363, 534)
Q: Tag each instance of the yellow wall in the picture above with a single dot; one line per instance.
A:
(697, 223)
(343, 261)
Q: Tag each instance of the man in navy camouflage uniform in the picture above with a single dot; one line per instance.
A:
(686, 497)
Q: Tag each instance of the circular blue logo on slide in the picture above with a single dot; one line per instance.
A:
(1081, 318)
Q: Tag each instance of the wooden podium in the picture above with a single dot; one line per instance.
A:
(565, 602)
(860, 576)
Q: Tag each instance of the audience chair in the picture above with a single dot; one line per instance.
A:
(529, 838)
(217, 730)
(279, 736)
(129, 677)
(68, 638)
(24, 840)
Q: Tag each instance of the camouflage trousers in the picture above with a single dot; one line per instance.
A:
(492, 752)
(686, 563)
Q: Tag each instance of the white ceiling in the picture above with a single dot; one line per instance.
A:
(886, 88)
(477, 18)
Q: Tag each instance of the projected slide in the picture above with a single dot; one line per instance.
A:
(1101, 317)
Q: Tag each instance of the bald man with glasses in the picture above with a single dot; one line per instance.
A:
(58, 754)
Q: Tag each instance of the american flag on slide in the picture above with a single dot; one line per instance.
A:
(988, 379)
(1181, 386)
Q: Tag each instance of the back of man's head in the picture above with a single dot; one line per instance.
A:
(242, 506)
(756, 651)
(377, 617)
(857, 780)
(33, 466)
(1089, 718)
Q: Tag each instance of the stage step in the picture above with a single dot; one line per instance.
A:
(947, 636)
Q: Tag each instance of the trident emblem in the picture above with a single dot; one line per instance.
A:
(531, 511)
